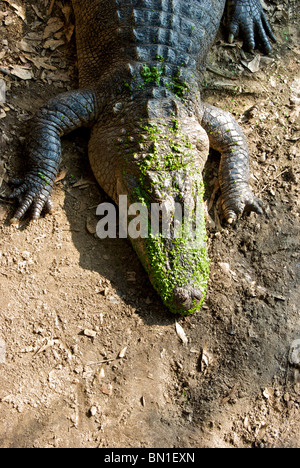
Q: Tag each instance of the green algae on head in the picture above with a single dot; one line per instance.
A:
(179, 270)
(176, 259)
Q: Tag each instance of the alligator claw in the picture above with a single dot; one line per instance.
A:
(31, 196)
(247, 203)
(231, 38)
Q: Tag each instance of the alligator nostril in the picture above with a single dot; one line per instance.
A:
(187, 298)
(181, 296)
(196, 295)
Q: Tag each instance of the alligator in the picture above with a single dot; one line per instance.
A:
(140, 64)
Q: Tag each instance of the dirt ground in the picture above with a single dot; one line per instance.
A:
(89, 357)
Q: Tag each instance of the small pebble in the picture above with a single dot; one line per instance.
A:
(90, 333)
(93, 411)
(294, 356)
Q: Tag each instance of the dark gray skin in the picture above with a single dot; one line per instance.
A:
(118, 43)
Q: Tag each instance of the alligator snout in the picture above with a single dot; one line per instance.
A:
(185, 299)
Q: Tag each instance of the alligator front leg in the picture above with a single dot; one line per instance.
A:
(60, 116)
(227, 137)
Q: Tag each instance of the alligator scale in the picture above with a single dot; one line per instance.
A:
(140, 64)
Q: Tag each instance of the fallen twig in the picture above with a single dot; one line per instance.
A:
(50, 7)
(101, 362)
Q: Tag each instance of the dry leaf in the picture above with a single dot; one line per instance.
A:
(3, 214)
(69, 32)
(37, 12)
(181, 333)
(32, 36)
(24, 46)
(61, 176)
(83, 183)
(2, 92)
(22, 73)
(53, 44)
(230, 395)
(57, 76)
(41, 63)
(54, 25)
(2, 172)
(20, 10)
(3, 14)
(253, 66)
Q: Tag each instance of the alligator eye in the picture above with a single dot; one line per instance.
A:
(157, 195)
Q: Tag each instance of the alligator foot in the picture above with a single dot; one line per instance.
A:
(248, 18)
(60, 116)
(29, 199)
(227, 137)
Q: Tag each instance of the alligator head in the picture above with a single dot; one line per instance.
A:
(164, 187)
